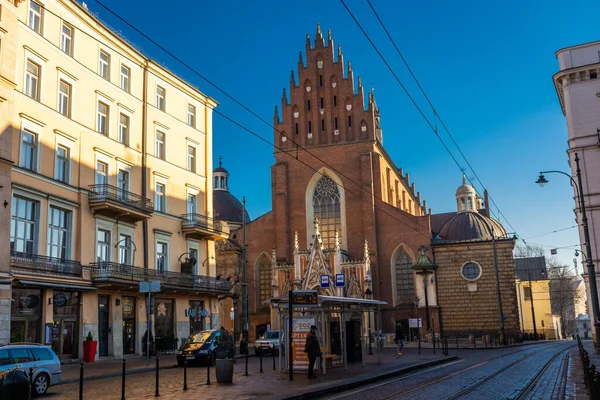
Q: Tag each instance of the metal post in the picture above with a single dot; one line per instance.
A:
(379, 336)
(245, 286)
(274, 358)
(433, 332)
(369, 317)
(208, 362)
(156, 393)
(184, 374)
(290, 335)
(148, 326)
(261, 368)
(425, 274)
(589, 263)
(499, 295)
(30, 383)
(246, 360)
(535, 335)
(81, 381)
(123, 381)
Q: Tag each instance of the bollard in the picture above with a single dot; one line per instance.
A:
(208, 361)
(81, 381)
(184, 374)
(273, 358)
(246, 374)
(419, 344)
(156, 392)
(123, 382)
(261, 369)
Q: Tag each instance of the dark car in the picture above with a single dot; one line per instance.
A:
(206, 346)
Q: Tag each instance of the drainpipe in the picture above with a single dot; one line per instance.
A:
(144, 160)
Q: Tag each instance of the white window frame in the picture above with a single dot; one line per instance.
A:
(164, 145)
(128, 231)
(127, 168)
(69, 98)
(195, 194)
(67, 164)
(126, 139)
(106, 160)
(40, 215)
(193, 245)
(106, 226)
(165, 197)
(161, 100)
(29, 78)
(158, 237)
(125, 83)
(40, 15)
(191, 119)
(63, 36)
(104, 64)
(106, 118)
(72, 227)
(193, 168)
(32, 128)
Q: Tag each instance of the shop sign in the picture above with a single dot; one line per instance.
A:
(193, 313)
(300, 329)
(127, 307)
(60, 299)
(161, 310)
(28, 303)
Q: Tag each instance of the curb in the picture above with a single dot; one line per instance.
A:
(353, 383)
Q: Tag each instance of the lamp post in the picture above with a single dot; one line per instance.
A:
(588, 247)
(535, 335)
(425, 267)
(245, 288)
(416, 301)
(369, 295)
(234, 299)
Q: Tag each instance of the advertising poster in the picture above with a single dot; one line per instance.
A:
(300, 330)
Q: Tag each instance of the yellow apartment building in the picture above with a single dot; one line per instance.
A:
(533, 287)
(105, 173)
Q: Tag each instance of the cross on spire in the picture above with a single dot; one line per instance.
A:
(220, 162)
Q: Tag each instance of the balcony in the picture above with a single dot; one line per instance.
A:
(114, 202)
(42, 265)
(123, 274)
(198, 226)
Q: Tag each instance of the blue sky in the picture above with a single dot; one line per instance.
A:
(487, 68)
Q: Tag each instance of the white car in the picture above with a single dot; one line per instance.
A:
(268, 342)
(41, 359)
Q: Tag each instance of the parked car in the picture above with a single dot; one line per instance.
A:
(46, 365)
(268, 342)
(206, 346)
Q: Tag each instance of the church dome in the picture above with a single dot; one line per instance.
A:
(227, 207)
(465, 189)
(471, 225)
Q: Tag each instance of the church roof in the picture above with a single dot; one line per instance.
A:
(220, 169)
(471, 225)
(227, 207)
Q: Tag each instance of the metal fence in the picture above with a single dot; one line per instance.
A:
(45, 265)
(104, 192)
(591, 377)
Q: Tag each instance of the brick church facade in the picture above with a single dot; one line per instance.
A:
(331, 166)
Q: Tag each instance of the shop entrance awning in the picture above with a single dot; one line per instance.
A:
(56, 285)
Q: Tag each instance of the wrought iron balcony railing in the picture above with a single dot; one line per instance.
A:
(112, 272)
(105, 192)
(44, 265)
(199, 221)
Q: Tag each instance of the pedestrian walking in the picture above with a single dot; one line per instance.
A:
(399, 339)
(313, 349)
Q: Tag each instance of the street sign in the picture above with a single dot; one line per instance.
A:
(415, 323)
(304, 297)
(152, 287)
(340, 280)
(325, 281)
(232, 315)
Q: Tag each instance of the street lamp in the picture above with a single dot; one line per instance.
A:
(588, 247)
(369, 295)
(425, 267)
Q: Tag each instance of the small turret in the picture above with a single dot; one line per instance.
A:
(319, 42)
(276, 115)
(284, 97)
(292, 80)
(340, 57)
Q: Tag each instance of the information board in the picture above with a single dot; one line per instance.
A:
(300, 330)
(304, 297)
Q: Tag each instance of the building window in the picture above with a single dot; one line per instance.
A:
(123, 183)
(191, 163)
(191, 116)
(162, 256)
(64, 98)
(124, 129)
(29, 150)
(101, 173)
(62, 164)
(322, 124)
(160, 98)
(403, 271)
(159, 198)
(159, 149)
(192, 202)
(32, 80)
(66, 39)
(334, 101)
(36, 12)
(104, 65)
(322, 103)
(471, 271)
(125, 249)
(335, 122)
(308, 104)
(103, 246)
(59, 227)
(125, 78)
(23, 227)
(309, 127)
(593, 75)
(264, 271)
(349, 121)
(102, 119)
(327, 208)
(527, 292)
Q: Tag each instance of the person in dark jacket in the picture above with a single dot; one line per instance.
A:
(313, 349)
(399, 339)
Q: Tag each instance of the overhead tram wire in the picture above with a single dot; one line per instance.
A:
(298, 146)
(549, 233)
(412, 225)
(436, 115)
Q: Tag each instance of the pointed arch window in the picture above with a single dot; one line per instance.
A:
(327, 208)
(405, 289)
(264, 279)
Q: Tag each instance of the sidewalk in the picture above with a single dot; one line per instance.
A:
(575, 386)
(270, 384)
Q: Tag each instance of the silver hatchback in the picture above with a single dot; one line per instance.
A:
(41, 359)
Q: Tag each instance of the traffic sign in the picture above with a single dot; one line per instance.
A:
(340, 280)
(325, 283)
